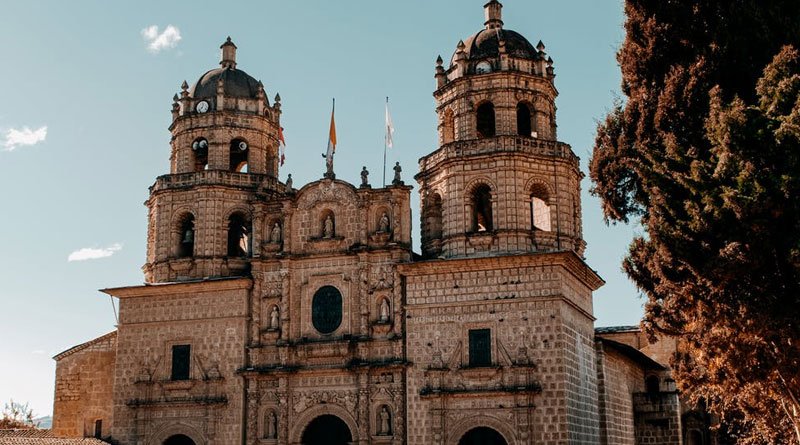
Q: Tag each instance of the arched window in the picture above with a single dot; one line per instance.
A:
(239, 236)
(482, 209)
(540, 208)
(651, 384)
(200, 150)
(186, 235)
(524, 120)
(485, 120)
(448, 127)
(238, 155)
(326, 309)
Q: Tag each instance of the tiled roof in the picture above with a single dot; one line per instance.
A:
(42, 437)
(83, 346)
(616, 329)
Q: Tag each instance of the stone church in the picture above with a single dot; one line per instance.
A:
(279, 315)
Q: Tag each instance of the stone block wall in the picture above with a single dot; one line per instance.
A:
(84, 388)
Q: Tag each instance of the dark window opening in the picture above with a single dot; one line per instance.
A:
(200, 150)
(651, 384)
(485, 118)
(480, 347)
(238, 155)
(186, 244)
(448, 127)
(326, 309)
(328, 430)
(238, 236)
(98, 428)
(181, 356)
(524, 120)
(482, 209)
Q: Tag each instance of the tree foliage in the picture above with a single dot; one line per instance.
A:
(16, 415)
(705, 151)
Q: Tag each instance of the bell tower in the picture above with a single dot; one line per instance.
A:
(500, 181)
(224, 151)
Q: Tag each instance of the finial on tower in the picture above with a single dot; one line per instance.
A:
(494, 14)
(228, 54)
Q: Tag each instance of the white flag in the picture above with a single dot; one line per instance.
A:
(389, 126)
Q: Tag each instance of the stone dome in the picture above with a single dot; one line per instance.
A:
(485, 44)
(236, 82)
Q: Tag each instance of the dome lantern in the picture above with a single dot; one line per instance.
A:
(494, 14)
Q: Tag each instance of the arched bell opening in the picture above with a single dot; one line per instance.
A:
(485, 120)
(239, 152)
(239, 236)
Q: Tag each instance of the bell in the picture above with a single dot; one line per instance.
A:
(188, 236)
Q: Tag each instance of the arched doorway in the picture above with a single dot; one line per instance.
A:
(482, 436)
(179, 439)
(327, 430)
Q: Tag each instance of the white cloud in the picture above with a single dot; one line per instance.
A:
(24, 136)
(157, 42)
(93, 253)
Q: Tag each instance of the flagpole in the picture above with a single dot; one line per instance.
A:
(384, 146)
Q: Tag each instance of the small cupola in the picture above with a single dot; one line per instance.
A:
(494, 15)
(228, 54)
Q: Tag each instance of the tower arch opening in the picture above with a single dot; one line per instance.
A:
(239, 235)
(239, 151)
(485, 120)
(524, 127)
(200, 152)
(448, 126)
(481, 205)
(185, 245)
(539, 201)
(327, 430)
(482, 435)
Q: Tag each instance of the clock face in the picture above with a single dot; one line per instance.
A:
(202, 106)
(483, 68)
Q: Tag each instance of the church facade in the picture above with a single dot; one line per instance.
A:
(281, 315)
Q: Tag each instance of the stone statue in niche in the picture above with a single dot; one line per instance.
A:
(383, 225)
(271, 427)
(275, 236)
(274, 318)
(384, 310)
(385, 427)
(327, 228)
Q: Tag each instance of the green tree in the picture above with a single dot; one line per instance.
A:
(705, 151)
(17, 416)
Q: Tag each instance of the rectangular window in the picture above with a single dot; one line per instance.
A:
(181, 355)
(480, 347)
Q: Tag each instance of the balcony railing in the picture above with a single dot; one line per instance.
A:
(213, 177)
(498, 144)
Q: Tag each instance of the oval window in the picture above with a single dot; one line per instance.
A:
(326, 309)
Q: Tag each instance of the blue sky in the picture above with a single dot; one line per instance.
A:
(84, 111)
